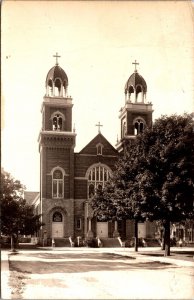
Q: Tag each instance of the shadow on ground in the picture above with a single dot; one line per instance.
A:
(81, 263)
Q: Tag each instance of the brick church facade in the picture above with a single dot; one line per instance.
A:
(69, 179)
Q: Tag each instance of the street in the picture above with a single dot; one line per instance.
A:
(86, 273)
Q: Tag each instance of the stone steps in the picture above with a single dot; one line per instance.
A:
(62, 242)
(110, 242)
(149, 242)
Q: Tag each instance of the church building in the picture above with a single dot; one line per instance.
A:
(68, 179)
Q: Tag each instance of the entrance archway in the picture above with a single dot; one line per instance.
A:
(57, 225)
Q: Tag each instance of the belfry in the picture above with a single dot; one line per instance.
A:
(136, 114)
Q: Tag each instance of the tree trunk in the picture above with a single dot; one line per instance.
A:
(167, 238)
(163, 240)
(13, 243)
(136, 236)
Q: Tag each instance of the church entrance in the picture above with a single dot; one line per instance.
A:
(102, 229)
(141, 230)
(57, 225)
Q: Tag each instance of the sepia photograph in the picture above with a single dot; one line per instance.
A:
(97, 149)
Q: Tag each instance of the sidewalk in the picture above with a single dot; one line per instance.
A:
(5, 289)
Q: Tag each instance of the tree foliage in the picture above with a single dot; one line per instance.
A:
(17, 217)
(166, 179)
(154, 179)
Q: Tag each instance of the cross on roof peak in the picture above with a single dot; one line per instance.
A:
(135, 63)
(99, 125)
(57, 56)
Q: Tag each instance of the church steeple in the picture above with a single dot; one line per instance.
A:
(57, 105)
(135, 87)
(56, 81)
(56, 146)
(137, 112)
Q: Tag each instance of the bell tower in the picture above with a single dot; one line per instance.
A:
(56, 147)
(136, 114)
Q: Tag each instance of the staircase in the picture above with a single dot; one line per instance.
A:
(150, 242)
(62, 242)
(27, 246)
(110, 242)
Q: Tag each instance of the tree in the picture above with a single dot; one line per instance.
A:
(154, 180)
(166, 180)
(17, 217)
(120, 198)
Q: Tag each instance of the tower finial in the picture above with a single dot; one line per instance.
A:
(56, 55)
(135, 63)
(99, 125)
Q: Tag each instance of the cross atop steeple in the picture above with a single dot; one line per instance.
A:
(135, 63)
(99, 125)
(56, 55)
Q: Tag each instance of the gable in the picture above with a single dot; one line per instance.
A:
(30, 197)
(91, 147)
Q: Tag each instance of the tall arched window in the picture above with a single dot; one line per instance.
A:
(57, 184)
(50, 88)
(97, 176)
(58, 87)
(139, 93)
(131, 94)
(139, 125)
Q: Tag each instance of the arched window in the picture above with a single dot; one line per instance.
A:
(58, 87)
(139, 93)
(97, 176)
(57, 184)
(57, 217)
(139, 125)
(131, 93)
(50, 88)
(57, 121)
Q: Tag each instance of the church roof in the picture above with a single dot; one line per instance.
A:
(57, 72)
(134, 80)
(30, 197)
(90, 148)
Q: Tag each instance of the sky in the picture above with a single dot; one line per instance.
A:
(97, 42)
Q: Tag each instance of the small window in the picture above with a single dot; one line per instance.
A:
(78, 223)
(99, 149)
